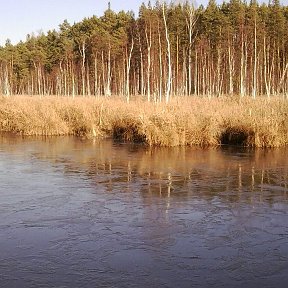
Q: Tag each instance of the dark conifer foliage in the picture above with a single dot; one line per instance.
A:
(233, 48)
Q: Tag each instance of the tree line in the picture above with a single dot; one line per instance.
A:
(233, 48)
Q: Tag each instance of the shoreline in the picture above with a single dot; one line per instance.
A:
(185, 121)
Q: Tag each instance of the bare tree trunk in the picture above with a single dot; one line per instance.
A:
(190, 21)
(231, 68)
(11, 76)
(184, 74)
(59, 80)
(254, 88)
(272, 73)
(82, 50)
(169, 79)
(217, 85)
(283, 78)
(88, 80)
(7, 91)
(108, 86)
(128, 71)
(177, 67)
(141, 76)
(103, 73)
(73, 79)
(196, 85)
(67, 72)
(160, 65)
(95, 76)
(267, 77)
(242, 68)
(149, 44)
(38, 76)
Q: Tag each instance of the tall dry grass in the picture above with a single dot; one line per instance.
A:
(184, 121)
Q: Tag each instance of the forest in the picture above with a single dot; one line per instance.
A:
(174, 75)
(233, 48)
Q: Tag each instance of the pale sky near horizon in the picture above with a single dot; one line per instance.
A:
(22, 17)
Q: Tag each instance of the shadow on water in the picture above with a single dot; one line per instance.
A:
(90, 213)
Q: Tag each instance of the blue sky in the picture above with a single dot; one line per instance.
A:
(21, 17)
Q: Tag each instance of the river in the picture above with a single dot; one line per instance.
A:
(95, 213)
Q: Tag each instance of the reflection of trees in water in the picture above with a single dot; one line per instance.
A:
(232, 173)
(237, 184)
(184, 172)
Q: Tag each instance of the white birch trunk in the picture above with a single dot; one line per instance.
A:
(160, 66)
(149, 44)
(169, 79)
(128, 72)
(254, 88)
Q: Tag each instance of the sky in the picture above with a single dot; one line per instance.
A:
(21, 17)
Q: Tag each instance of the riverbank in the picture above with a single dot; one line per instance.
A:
(184, 121)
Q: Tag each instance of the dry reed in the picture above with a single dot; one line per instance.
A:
(184, 121)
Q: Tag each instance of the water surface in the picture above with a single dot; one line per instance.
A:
(84, 213)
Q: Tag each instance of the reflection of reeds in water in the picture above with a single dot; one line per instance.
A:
(257, 175)
(182, 172)
(184, 121)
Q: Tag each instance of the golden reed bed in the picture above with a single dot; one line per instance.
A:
(184, 121)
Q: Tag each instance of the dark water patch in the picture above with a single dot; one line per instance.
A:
(239, 136)
(128, 132)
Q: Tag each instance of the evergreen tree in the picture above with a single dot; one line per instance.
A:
(229, 48)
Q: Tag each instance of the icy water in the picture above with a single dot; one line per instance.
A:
(84, 213)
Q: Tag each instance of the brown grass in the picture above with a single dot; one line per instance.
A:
(184, 121)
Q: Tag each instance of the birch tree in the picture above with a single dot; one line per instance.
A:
(169, 78)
